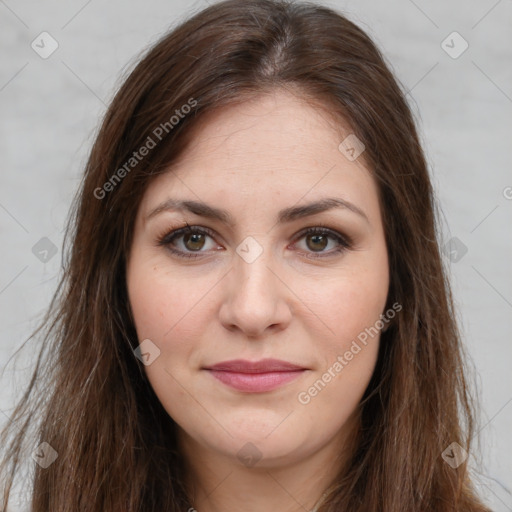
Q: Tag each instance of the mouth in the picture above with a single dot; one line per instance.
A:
(255, 376)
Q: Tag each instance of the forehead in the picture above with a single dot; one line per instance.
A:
(275, 147)
(274, 124)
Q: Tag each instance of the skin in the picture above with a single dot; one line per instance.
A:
(254, 159)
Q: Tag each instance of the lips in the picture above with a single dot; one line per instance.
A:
(263, 366)
(255, 376)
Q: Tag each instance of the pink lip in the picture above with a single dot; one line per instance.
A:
(255, 376)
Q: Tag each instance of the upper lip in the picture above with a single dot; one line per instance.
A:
(262, 366)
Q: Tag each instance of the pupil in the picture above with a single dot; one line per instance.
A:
(195, 239)
(315, 239)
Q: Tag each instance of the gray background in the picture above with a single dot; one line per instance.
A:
(50, 109)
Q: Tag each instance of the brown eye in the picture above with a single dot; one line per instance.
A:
(317, 242)
(189, 242)
(317, 239)
(194, 241)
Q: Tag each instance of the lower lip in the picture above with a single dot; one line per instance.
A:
(256, 382)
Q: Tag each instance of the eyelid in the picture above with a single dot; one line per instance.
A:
(325, 229)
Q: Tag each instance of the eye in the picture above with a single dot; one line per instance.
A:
(317, 239)
(193, 239)
(189, 242)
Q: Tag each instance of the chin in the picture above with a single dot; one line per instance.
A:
(259, 442)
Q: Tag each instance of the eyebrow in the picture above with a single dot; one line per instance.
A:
(284, 216)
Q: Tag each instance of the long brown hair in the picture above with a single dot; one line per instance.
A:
(89, 398)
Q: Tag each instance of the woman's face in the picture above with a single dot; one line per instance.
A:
(253, 323)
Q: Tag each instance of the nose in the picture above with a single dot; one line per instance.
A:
(256, 298)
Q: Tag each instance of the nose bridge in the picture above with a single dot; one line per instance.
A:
(253, 276)
(255, 300)
(252, 268)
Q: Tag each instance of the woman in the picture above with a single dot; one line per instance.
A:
(254, 313)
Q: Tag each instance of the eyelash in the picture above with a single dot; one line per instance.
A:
(169, 236)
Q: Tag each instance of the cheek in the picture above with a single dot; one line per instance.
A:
(173, 309)
(167, 309)
(165, 303)
(348, 354)
(351, 353)
(350, 304)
